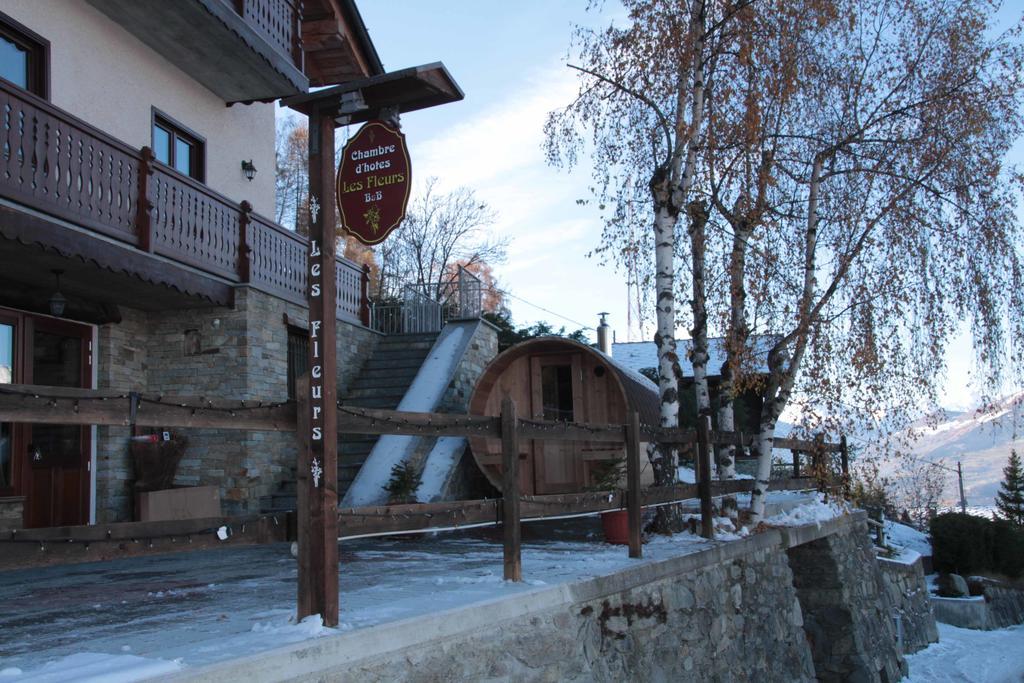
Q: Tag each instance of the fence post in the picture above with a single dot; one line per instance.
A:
(244, 219)
(796, 464)
(707, 522)
(510, 491)
(144, 206)
(633, 484)
(364, 298)
(844, 455)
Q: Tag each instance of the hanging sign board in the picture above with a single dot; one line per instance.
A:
(374, 178)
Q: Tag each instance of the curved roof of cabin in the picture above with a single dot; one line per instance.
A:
(641, 393)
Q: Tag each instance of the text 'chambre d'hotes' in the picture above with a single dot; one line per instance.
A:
(369, 162)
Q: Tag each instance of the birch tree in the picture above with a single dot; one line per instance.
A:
(641, 100)
(893, 211)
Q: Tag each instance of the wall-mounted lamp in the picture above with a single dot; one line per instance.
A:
(248, 169)
(57, 300)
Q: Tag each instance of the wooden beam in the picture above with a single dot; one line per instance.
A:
(633, 484)
(63, 405)
(318, 436)
(370, 521)
(511, 531)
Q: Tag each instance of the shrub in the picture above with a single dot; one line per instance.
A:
(404, 483)
(965, 544)
(961, 544)
(1007, 548)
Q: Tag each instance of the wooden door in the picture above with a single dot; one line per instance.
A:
(556, 394)
(56, 457)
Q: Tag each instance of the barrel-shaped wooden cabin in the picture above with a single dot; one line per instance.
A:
(557, 379)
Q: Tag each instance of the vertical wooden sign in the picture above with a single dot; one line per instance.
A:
(318, 438)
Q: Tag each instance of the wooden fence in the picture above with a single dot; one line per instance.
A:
(59, 405)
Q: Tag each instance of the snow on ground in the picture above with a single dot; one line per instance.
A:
(903, 537)
(686, 475)
(139, 617)
(814, 512)
(967, 656)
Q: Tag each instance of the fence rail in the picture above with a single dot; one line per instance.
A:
(57, 164)
(57, 405)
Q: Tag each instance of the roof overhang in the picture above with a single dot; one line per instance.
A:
(336, 44)
(418, 87)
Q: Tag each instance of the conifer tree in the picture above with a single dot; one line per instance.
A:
(1010, 498)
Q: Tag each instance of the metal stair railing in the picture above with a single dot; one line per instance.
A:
(426, 307)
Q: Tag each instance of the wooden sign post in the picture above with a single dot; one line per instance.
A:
(318, 441)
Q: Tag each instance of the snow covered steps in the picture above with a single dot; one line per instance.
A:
(381, 383)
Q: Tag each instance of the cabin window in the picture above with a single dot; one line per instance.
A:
(556, 392)
(24, 57)
(178, 147)
(298, 357)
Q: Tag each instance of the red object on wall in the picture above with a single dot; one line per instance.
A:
(374, 178)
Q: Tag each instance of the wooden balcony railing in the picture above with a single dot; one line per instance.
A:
(279, 22)
(57, 164)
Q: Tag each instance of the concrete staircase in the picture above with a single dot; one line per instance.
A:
(381, 383)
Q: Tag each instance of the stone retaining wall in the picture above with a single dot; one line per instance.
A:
(907, 590)
(848, 619)
(999, 607)
(728, 613)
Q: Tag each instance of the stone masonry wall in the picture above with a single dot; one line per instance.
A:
(733, 611)
(482, 349)
(121, 365)
(732, 620)
(848, 620)
(907, 591)
(224, 353)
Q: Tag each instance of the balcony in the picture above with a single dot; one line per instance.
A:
(242, 50)
(136, 232)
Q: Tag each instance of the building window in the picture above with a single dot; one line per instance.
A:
(24, 57)
(556, 392)
(178, 147)
(298, 357)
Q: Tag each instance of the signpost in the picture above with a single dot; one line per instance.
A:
(372, 191)
(317, 471)
(370, 194)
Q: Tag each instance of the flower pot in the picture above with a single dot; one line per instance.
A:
(616, 527)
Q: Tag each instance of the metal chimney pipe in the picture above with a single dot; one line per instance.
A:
(604, 340)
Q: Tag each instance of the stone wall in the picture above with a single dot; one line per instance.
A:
(999, 606)
(907, 591)
(847, 618)
(730, 612)
(225, 353)
(482, 349)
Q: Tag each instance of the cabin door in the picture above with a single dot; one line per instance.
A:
(557, 396)
(56, 457)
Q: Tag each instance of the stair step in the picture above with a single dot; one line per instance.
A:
(378, 392)
(395, 360)
(370, 402)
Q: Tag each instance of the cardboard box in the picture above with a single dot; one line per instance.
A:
(191, 502)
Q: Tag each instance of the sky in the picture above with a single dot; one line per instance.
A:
(511, 65)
